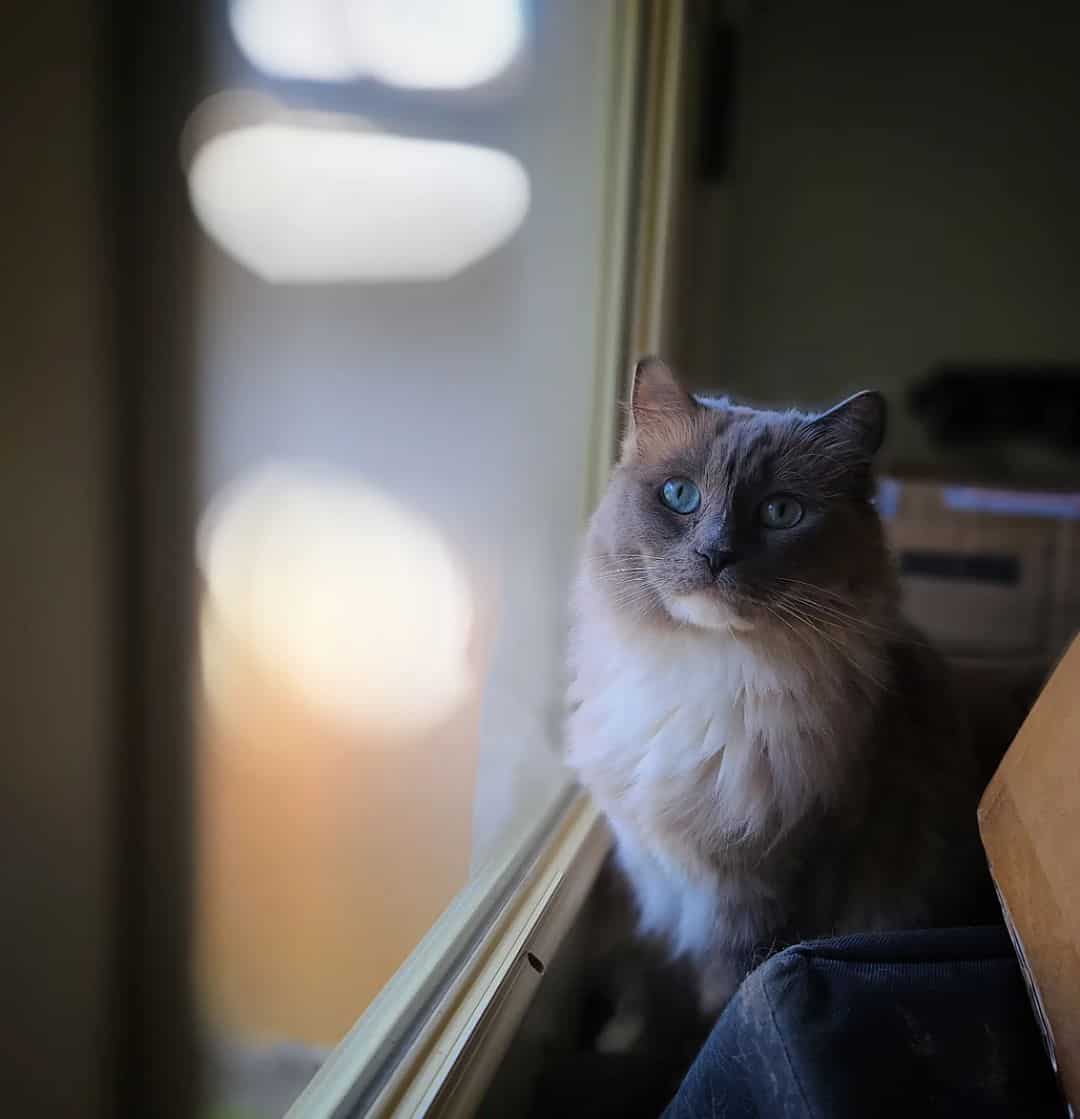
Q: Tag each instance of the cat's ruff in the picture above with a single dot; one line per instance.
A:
(688, 722)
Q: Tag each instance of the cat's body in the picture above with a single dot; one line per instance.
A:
(776, 750)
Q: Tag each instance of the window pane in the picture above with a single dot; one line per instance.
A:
(398, 319)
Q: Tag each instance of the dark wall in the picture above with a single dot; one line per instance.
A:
(903, 191)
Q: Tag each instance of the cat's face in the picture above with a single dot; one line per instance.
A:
(727, 517)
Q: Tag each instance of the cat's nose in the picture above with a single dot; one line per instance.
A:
(716, 557)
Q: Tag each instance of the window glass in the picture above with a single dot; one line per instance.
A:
(398, 312)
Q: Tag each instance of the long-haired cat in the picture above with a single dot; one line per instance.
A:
(776, 749)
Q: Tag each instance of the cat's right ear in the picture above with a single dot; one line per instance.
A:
(658, 404)
(656, 394)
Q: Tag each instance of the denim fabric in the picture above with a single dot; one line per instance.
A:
(933, 1023)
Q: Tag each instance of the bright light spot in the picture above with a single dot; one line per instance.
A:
(310, 205)
(344, 595)
(435, 44)
(295, 38)
(422, 44)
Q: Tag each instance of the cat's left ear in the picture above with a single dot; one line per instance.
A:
(859, 421)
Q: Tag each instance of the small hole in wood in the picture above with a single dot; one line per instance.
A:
(535, 963)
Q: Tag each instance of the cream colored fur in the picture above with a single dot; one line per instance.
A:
(705, 747)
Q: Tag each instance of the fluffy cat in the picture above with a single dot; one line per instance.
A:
(776, 749)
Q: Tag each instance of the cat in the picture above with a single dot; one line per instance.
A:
(776, 749)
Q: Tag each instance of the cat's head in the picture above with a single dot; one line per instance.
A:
(724, 516)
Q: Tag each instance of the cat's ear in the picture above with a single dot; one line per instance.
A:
(659, 409)
(859, 421)
(657, 395)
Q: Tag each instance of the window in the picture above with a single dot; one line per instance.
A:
(409, 331)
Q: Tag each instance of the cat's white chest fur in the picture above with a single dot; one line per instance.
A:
(697, 746)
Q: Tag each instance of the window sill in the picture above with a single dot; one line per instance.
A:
(422, 1052)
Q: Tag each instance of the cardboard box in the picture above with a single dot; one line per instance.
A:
(986, 572)
(1070, 563)
(1029, 819)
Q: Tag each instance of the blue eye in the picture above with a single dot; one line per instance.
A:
(681, 495)
(780, 511)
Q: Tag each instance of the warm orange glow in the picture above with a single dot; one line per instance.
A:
(338, 752)
(351, 598)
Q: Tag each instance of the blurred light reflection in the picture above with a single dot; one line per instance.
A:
(351, 597)
(320, 204)
(338, 748)
(421, 44)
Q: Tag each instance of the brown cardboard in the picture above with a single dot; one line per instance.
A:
(1069, 567)
(1006, 584)
(971, 615)
(1029, 819)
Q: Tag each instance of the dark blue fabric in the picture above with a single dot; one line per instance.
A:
(933, 1023)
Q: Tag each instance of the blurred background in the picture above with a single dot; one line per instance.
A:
(318, 315)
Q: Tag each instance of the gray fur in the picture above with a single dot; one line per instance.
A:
(778, 751)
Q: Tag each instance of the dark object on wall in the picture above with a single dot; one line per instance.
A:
(917, 1023)
(949, 565)
(975, 405)
(716, 115)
